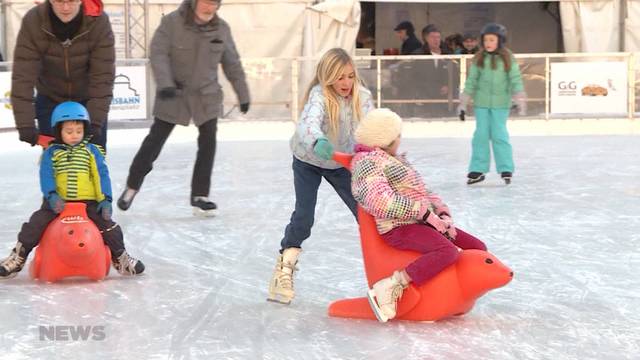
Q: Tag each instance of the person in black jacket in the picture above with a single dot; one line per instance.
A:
(406, 32)
(469, 44)
(439, 74)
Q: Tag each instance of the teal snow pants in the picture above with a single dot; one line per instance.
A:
(491, 126)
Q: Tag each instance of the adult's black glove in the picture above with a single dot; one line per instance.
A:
(244, 108)
(167, 93)
(28, 135)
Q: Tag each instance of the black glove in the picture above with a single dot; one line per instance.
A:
(28, 135)
(167, 93)
(244, 108)
(96, 131)
(461, 115)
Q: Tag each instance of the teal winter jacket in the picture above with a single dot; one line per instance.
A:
(493, 88)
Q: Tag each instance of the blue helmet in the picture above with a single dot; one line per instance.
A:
(69, 110)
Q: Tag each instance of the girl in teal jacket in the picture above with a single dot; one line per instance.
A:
(494, 81)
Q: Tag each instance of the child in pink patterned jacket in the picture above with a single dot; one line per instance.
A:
(408, 216)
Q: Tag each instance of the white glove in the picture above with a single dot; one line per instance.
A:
(520, 99)
(462, 107)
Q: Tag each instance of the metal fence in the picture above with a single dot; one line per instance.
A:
(420, 87)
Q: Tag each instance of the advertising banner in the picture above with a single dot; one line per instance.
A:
(589, 88)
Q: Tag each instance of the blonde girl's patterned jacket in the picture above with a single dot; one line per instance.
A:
(388, 188)
(76, 172)
(314, 123)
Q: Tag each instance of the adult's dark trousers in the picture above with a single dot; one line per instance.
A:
(44, 109)
(152, 145)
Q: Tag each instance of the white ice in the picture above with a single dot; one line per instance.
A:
(569, 227)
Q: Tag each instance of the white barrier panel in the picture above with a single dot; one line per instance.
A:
(129, 94)
(6, 114)
(589, 88)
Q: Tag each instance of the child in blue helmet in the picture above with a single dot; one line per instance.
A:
(72, 169)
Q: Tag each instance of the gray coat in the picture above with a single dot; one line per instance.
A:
(186, 56)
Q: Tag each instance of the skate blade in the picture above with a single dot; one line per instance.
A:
(10, 276)
(280, 299)
(376, 309)
(475, 181)
(204, 213)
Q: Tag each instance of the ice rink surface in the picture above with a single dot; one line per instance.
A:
(568, 226)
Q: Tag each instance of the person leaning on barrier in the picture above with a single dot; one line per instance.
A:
(469, 44)
(406, 33)
(66, 52)
(436, 74)
(185, 52)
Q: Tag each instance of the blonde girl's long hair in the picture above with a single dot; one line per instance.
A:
(328, 71)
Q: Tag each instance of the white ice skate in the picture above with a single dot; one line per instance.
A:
(384, 296)
(281, 285)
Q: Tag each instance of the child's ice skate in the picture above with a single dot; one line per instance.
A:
(474, 177)
(11, 266)
(204, 207)
(127, 265)
(125, 200)
(506, 176)
(281, 285)
(384, 296)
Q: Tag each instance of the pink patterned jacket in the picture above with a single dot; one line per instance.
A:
(390, 189)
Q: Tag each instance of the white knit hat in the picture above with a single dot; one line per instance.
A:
(379, 128)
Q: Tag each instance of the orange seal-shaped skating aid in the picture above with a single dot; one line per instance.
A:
(71, 246)
(452, 292)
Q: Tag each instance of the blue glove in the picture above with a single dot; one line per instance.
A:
(323, 149)
(55, 202)
(105, 208)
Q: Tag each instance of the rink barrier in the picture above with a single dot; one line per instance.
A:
(279, 84)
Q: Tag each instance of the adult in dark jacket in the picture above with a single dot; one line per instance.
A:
(66, 55)
(406, 33)
(439, 73)
(185, 52)
(469, 44)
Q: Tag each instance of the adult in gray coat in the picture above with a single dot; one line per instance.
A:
(186, 50)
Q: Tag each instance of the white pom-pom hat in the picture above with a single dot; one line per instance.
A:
(379, 128)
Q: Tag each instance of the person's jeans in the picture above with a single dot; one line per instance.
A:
(306, 180)
(44, 108)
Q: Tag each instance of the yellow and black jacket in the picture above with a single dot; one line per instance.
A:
(76, 172)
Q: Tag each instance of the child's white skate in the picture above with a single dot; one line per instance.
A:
(281, 285)
(384, 296)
